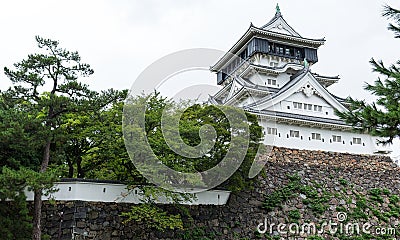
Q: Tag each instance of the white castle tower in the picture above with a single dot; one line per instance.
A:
(267, 72)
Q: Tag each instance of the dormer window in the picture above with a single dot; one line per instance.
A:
(307, 106)
(273, 64)
(271, 82)
(297, 105)
(317, 108)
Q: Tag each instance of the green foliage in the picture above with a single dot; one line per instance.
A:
(343, 182)
(273, 237)
(153, 217)
(315, 238)
(45, 90)
(380, 118)
(294, 215)
(191, 120)
(316, 201)
(20, 139)
(394, 199)
(392, 13)
(375, 195)
(15, 221)
(290, 190)
(197, 233)
(371, 202)
(93, 144)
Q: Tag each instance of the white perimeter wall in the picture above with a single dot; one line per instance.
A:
(106, 192)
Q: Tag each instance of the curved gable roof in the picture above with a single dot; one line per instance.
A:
(298, 81)
(279, 25)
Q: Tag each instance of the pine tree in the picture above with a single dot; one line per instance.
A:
(49, 83)
(382, 117)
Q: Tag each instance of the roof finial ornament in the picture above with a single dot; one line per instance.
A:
(278, 10)
(306, 65)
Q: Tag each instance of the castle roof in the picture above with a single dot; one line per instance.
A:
(277, 29)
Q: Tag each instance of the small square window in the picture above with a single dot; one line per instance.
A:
(317, 108)
(336, 138)
(272, 131)
(294, 133)
(356, 140)
(316, 136)
(307, 106)
(271, 82)
(297, 105)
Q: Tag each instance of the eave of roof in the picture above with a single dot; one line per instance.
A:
(252, 31)
(335, 123)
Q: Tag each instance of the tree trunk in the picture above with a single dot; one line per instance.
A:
(81, 173)
(36, 235)
(37, 211)
(70, 168)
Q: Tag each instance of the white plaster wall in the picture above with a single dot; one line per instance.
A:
(262, 79)
(106, 192)
(327, 110)
(369, 145)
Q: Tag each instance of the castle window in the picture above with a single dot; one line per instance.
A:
(336, 138)
(287, 51)
(279, 50)
(315, 136)
(271, 82)
(297, 105)
(273, 64)
(298, 54)
(317, 108)
(307, 106)
(272, 131)
(294, 133)
(357, 140)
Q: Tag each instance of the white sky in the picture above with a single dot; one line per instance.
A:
(120, 38)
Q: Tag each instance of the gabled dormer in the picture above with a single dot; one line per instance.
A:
(279, 25)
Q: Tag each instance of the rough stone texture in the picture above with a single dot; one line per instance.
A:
(243, 213)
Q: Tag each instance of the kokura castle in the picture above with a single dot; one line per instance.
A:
(268, 72)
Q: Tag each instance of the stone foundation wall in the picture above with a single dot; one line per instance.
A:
(330, 183)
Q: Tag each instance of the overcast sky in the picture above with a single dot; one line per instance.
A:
(120, 38)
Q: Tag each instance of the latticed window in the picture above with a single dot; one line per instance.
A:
(297, 105)
(316, 136)
(317, 108)
(307, 106)
(294, 133)
(356, 140)
(271, 82)
(272, 131)
(336, 138)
